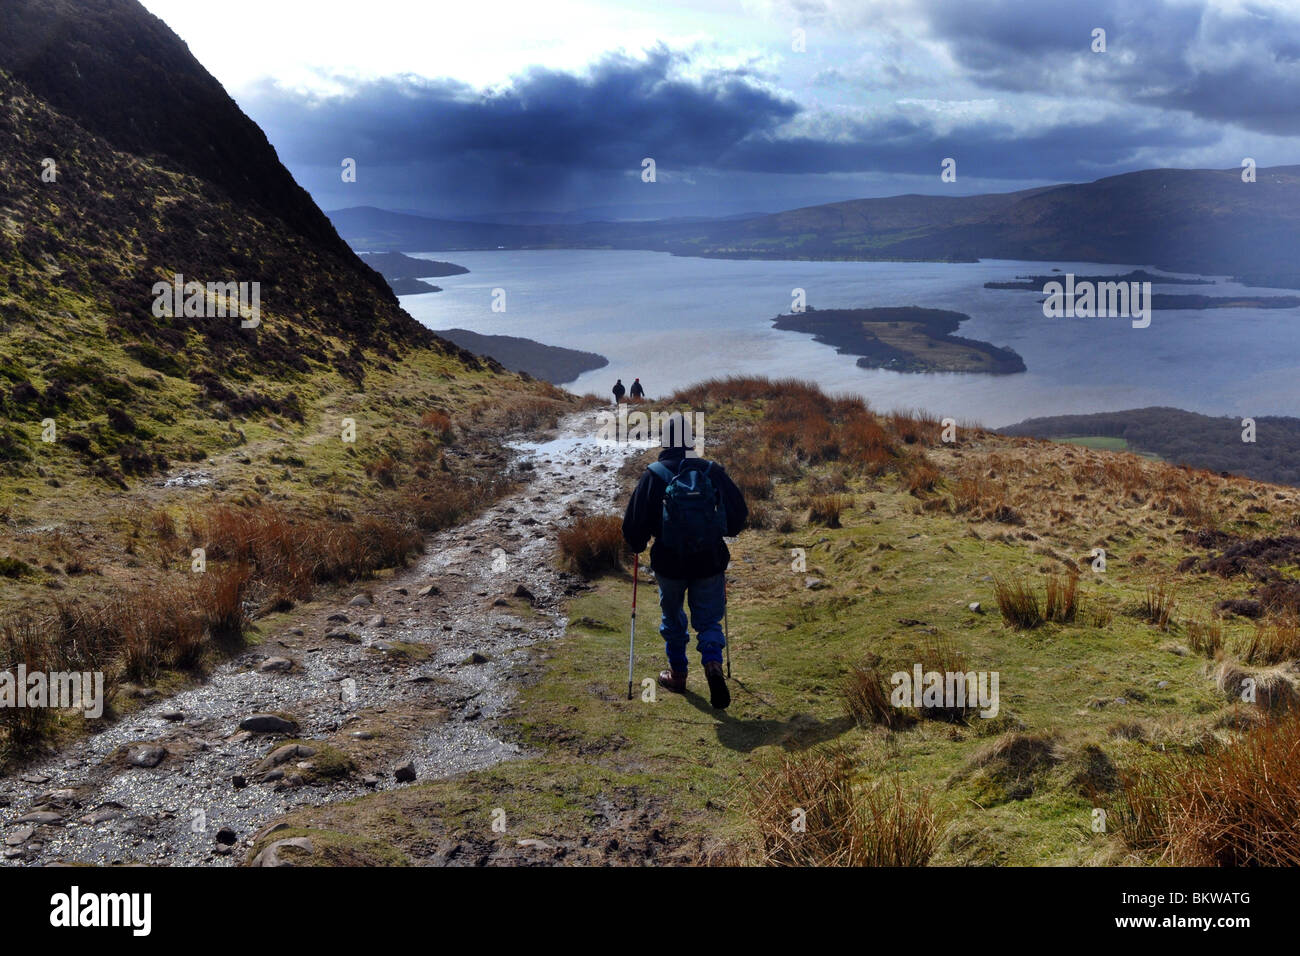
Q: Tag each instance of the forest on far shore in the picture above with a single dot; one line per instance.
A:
(1187, 438)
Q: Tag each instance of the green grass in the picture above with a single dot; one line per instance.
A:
(898, 575)
(1106, 443)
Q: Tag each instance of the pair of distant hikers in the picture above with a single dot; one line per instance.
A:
(638, 392)
(688, 505)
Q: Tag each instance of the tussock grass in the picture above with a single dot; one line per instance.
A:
(867, 698)
(943, 656)
(1205, 636)
(1238, 805)
(919, 474)
(1062, 603)
(436, 505)
(1158, 604)
(1271, 642)
(593, 544)
(914, 427)
(65, 642)
(827, 509)
(1272, 689)
(1018, 603)
(842, 824)
(438, 422)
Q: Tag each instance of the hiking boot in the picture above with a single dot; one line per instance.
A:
(673, 680)
(719, 696)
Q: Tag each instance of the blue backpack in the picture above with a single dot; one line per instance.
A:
(694, 518)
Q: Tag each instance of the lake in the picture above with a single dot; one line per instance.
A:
(674, 321)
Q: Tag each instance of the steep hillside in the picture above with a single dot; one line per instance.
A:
(310, 440)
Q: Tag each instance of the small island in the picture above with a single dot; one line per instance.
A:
(1161, 301)
(903, 339)
(1036, 283)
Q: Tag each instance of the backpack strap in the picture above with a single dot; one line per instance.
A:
(667, 475)
(659, 469)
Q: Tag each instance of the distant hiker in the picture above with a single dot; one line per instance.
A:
(618, 391)
(687, 505)
(638, 392)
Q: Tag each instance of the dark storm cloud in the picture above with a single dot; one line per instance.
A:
(1236, 67)
(623, 111)
(553, 139)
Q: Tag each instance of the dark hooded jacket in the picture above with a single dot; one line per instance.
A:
(644, 518)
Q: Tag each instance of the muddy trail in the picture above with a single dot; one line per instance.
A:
(406, 679)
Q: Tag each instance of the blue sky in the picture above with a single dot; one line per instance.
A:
(486, 108)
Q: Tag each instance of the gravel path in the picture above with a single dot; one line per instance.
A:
(392, 676)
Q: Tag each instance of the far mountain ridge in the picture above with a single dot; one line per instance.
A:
(1204, 221)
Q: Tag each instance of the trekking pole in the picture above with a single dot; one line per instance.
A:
(726, 633)
(631, 641)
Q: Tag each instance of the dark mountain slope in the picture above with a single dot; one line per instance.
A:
(138, 129)
(121, 73)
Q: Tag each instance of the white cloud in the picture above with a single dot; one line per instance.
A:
(482, 42)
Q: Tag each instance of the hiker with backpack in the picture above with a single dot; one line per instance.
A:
(619, 390)
(688, 505)
(638, 392)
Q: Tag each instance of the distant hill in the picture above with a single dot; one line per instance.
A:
(547, 362)
(1182, 220)
(1186, 438)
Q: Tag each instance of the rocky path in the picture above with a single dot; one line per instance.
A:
(401, 681)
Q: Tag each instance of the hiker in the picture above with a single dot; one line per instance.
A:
(638, 392)
(618, 391)
(687, 505)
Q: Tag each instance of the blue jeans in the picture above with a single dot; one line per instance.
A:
(708, 601)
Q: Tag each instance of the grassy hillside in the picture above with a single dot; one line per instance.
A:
(872, 539)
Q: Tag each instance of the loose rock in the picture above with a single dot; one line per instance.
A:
(146, 756)
(271, 855)
(268, 724)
